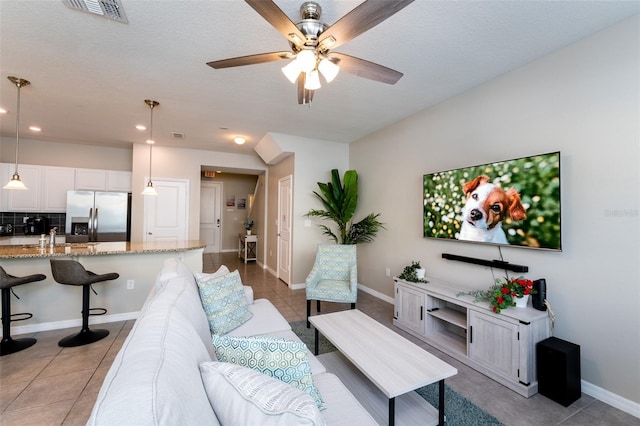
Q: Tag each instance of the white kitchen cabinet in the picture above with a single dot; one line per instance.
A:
(91, 179)
(57, 181)
(501, 346)
(103, 180)
(119, 181)
(29, 200)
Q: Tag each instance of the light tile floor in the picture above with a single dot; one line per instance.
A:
(48, 385)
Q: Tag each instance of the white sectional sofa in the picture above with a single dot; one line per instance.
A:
(156, 378)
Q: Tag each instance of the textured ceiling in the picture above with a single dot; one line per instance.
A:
(90, 75)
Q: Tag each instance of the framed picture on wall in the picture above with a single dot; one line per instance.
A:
(242, 203)
(231, 200)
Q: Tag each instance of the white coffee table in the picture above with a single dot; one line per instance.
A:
(392, 363)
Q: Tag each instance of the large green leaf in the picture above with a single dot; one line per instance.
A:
(340, 201)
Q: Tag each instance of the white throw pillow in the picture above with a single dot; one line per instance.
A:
(242, 396)
(224, 302)
(285, 360)
(221, 272)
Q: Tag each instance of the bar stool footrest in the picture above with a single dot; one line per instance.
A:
(29, 315)
(102, 311)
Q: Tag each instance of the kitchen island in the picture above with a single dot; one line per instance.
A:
(57, 306)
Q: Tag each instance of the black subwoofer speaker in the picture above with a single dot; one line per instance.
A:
(558, 366)
(537, 300)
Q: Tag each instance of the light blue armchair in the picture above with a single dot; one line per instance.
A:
(334, 277)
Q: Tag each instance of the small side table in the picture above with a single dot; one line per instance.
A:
(247, 247)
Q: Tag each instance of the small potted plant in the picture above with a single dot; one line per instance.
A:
(504, 293)
(413, 273)
(248, 224)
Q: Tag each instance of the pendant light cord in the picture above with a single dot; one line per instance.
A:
(17, 128)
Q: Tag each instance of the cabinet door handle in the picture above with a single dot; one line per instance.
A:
(421, 313)
(470, 334)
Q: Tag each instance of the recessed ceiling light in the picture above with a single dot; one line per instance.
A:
(35, 129)
(3, 111)
(239, 140)
(141, 127)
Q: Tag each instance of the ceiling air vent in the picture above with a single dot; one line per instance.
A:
(177, 135)
(108, 8)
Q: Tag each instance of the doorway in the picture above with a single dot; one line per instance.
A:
(284, 228)
(165, 214)
(211, 215)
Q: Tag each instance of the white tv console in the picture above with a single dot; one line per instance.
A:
(501, 346)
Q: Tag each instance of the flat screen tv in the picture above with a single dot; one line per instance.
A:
(509, 203)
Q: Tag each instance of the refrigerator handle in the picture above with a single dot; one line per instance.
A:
(90, 223)
(95, 226)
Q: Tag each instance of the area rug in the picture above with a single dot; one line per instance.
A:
(459, 411)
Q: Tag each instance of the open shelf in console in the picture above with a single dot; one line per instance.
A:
(447, 322)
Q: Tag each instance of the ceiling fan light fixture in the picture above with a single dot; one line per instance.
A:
(292, 71)
(328, 69)
(312, 81)
(306, 60)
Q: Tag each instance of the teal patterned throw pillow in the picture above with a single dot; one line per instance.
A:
(279, 358)
(224, 302)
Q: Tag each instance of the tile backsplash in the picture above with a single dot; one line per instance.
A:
(17, 220)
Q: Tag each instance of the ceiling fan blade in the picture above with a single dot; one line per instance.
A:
(250, 60)
(366, 69)
(277, 18)
(305, 96)
(364, 17)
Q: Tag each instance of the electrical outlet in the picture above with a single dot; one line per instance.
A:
(130, 284)
(387, 272)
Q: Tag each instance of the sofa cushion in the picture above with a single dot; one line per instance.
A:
(242, 396)
(172, 268)
(286, 360)
(155, 378)
(266, 320)
(224, 302)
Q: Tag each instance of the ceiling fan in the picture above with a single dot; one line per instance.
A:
(311, 42)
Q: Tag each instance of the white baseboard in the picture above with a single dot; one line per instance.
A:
(611, 398)
(377, 294)
(56, 325)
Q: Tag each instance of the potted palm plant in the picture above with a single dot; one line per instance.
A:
(340, 199)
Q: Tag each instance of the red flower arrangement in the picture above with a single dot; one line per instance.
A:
(503, 293)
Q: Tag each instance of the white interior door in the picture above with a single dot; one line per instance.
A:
(166, 217)
(284, 228)
(211, 215)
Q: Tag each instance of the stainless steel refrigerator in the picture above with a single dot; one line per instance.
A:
(94, 216)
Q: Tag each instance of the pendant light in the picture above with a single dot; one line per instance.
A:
(150, 190)
(15, 182)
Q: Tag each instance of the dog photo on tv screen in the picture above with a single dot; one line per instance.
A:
(514, 202)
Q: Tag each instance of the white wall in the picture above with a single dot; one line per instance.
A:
(179, 163)
(49, 153)
(583, 100)
(313, 162)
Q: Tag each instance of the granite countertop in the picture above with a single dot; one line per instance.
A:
(93, 249)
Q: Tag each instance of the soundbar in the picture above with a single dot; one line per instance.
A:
(500, 264)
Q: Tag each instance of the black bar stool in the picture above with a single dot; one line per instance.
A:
(71, 272)
(9, 345)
